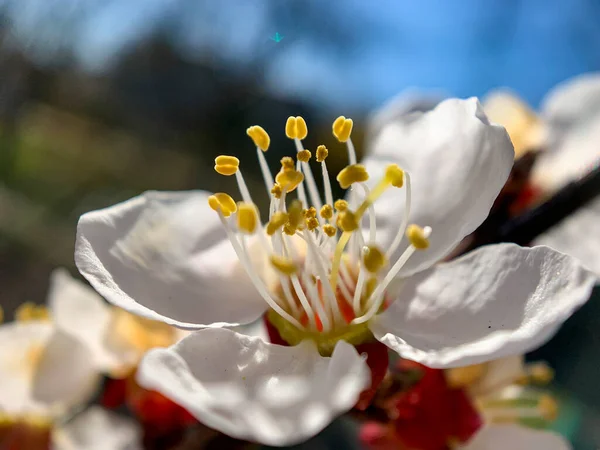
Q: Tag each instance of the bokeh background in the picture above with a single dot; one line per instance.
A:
(103, 99)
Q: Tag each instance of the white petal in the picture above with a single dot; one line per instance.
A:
(497, 301)
(572, 112)
(162, 255)
(404, 107)
(577, 236)
(66, 373)
(22, 346)
(458, 162)
(254, 390)
(516, 437)
(572, 102)
(43, 370)
(98, 429)
(79, 311)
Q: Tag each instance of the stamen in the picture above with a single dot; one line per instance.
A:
(247, 217)
(376, 299)
(322, 153)
(540, 372)
(418, 237)
(326, 212)
(329, 230)
(342, 128)
(223, 203)
(295, 128)
(29, 311)
(259, 136)
(289, 179)
(278, 220)
(226, 165)
(340, 205)
(355, 173)
(404, 224)
(462, 377)
(373, 258)
(258, 283)
(284, 265)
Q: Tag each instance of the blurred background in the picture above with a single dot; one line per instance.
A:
(103, 99)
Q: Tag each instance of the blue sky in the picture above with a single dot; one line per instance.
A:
(349, 54)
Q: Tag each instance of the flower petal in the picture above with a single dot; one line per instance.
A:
(516, 437)
(66, 373)
(98, 429)
(497, 301)
(79, 311)
(22, 345)
(254, 390)
(458, 163)
(577, 236)
(572, 112)
(163, 256)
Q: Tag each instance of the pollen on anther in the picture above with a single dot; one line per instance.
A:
(287, 163)
(226, 165)
(347, 221)
(326, 212)
(417, 237)
(355, 173)
(278, 220)
(276, 191)
(222, 202)
(329, 230)
(340, 205)
(259, 136)
(304, 155)
(373, 258)
(322, 153)
(247, 217)
(394, 175)
(284, 265)
(289, 179)
(342, 128)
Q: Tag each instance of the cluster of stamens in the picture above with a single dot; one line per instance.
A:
(330, 277)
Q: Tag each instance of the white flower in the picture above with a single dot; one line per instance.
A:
(117, 340)
(45, 372)
(573, 110)
(515, 437)
(170, 257)
(98, 429)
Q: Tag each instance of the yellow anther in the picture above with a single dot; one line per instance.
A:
(347, 221)
(322, 153)
(340, 205)
(342, 128)
(289, 180)
(326, 212)
(276, 191)
(355, 173)
(312, 223)
(295, 128)
(416, 236)
(295, 214)
(222, 202)
(310, 212)
(30, 311)
(287, 164)
(278, 220)
(394, 175)
(247, 217)
(373, 258)
(548, 407)
(329, 230)
(259, 136)
(304, 155)
(461, 377)
(289, 229)
(284, 265)
(226, 165)
(540, 373)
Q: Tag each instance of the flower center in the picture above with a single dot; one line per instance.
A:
(331, 276)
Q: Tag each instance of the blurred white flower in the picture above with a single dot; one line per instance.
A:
(98, 429)
(168, 256)
(515, 437)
